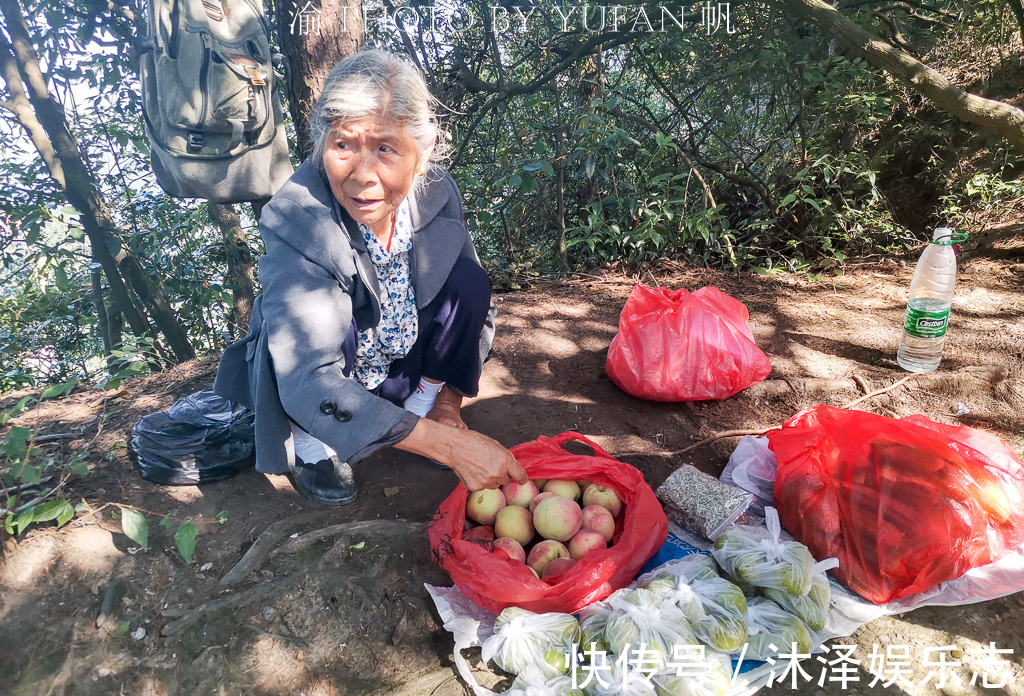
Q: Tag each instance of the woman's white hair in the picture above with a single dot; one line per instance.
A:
(376, 84)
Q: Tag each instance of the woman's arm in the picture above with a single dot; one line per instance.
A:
(477, 459)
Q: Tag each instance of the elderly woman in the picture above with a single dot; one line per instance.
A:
(375, 317)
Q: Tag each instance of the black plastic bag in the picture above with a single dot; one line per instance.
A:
(200, 438)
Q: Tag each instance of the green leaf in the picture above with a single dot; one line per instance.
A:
(185, 539)
(360, 545)
(122, 628)
(79, 468)
(20, 406)
(135, 527)
(528, 184)
(533, 166)
(29, 474)
(166, 522)
(515, 180)
(15, 445)
(52, 391)
(62, 278)
(222, 516)
(24, 519)
(59, 510)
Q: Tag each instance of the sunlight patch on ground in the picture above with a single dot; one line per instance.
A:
(89, 550)
(975, 658)
(280, 483)
(598, 327)
(32, 559)
(623, 443)
(576, 311)
(593, 344)
(495, 381)
(551, 395)
(182, 494)
(321, 687)
(553, 344)
(274, 666)
(504, 319)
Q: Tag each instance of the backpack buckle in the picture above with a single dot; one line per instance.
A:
(195, 140)
(254, 76)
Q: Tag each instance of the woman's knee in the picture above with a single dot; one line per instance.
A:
(468, 281)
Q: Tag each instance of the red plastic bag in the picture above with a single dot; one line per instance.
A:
(674, 345)
(496, 583)
(904, 504)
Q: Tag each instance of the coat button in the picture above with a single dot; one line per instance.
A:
(342, 416)
(328, 407)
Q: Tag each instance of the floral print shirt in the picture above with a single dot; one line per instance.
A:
(396, 333)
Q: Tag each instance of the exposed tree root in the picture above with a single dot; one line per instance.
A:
(232, 602)
(266, 543)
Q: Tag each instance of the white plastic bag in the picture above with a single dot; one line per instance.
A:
(639, 617)
(752, 466)
(529, 684)
(724, 624)
(811, 608)
(769, 625)
(523, 640)
(715, 607)
(758, 557)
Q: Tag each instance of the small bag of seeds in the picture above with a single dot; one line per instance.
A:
(702, 503)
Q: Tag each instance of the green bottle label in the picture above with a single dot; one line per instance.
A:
(923, 324)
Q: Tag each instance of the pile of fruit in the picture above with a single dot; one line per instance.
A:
(547, 524)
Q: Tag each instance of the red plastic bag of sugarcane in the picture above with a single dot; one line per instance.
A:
(904, 504)
(492, 578)
(675, 345)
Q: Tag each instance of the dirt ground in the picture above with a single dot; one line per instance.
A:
(339, 607)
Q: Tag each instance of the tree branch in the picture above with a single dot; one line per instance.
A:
(21, 106)
(1003, 119)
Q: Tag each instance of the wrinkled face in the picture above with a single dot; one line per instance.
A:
(371, 167)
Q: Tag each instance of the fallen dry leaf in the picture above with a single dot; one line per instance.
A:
(389, 492)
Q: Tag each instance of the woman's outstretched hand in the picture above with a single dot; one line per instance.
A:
(481, 462)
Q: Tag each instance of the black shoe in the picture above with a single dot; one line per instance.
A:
(328, 482)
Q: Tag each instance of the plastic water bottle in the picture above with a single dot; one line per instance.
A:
(931, 295)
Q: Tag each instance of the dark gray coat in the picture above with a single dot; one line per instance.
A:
(316, 276)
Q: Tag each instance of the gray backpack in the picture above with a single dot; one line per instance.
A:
(210, 101)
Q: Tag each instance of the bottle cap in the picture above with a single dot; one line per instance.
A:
(944, 236)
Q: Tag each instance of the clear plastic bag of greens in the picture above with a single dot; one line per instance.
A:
(523, 640)
(715, 607)
(758, 557)
(768, 625)
(690, 676)
(724, 624)
(593, 620)
(639, 616)
(671, 583)
(623, 679)
(811, 608)
(531, 684)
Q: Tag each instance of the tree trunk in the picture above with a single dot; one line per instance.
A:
(1003, 119)
(103, 319)
(315, 39)
(239, 267)
(44, 120)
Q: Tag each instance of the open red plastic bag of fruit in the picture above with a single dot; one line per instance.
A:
(495, 582)
(904, 504)
(675, 345)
